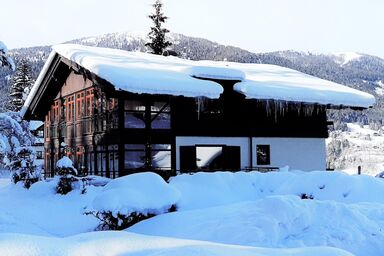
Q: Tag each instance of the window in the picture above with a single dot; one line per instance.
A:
(161, 115)
(101, 159)
(113, 151)
(161, 156)
(40, 133)
(113, 113)
(134, 112)
(80, 106)
(88, 102)
(71, 109)
(39, 154)
(134, 156)
(263, 155)
(55, 111)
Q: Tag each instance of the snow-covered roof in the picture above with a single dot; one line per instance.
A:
(140, 72)
(35, 124)
(275, 82)
(147, 73)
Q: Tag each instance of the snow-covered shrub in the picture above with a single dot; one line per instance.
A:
(67, 173)
(130, 199)
(16, 152)
(23, 167)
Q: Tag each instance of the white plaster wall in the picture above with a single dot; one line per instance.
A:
(229, 141)
(305, 154)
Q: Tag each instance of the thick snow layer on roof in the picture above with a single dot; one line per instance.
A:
(147, 73)
(275, 82)
(139, 72)
(215, 72)
(35, 124)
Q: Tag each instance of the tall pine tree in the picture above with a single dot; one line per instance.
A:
(158, 43)
(20, 87)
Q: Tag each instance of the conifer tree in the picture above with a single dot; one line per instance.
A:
(20, 87)
(4, 59)
(158, 43)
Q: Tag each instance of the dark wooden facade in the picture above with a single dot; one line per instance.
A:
(112, 133)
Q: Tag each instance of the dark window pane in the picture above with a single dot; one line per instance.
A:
(134, 105)
(134, 147)
(161, 146)
(163, 106)
(134, 159)
(134, 120)
(263, 155)
(162, 121)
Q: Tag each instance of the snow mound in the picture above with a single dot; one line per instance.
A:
(212, 189)
(277, 221)
(124, 243)
(145, 193)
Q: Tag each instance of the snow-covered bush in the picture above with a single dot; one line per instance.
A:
(67, 174)
(23, 167)
(16, 153)
(130, 199)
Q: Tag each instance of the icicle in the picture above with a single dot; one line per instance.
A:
(200, 106)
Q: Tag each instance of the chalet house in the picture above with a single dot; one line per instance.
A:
(115, 112)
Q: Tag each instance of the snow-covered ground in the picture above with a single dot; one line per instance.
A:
(218, 213)
(359, 146)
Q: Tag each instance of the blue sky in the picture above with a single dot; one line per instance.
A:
(319, 26)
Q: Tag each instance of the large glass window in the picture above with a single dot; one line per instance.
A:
(135, 156)
(161, 156)
(134, 114)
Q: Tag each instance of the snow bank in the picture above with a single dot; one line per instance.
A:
(277, 221)
(123, 243)
(40, 211)
(145, 193)
(212, 189)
